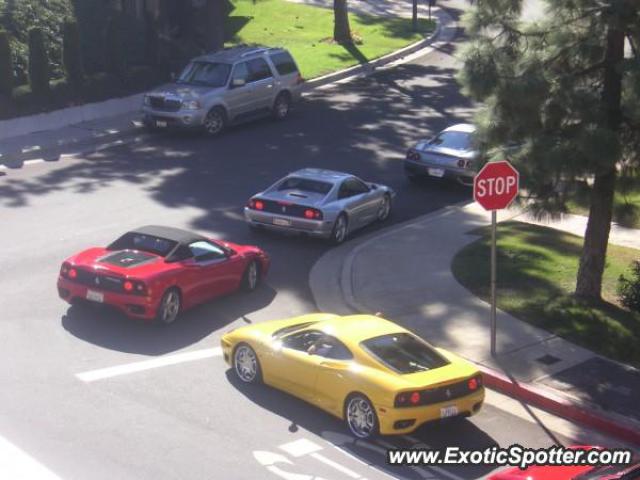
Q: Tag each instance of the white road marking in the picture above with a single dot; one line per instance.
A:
(101, 374)
(300, 447)
(17, 465)
(269, 460)
(335, 465)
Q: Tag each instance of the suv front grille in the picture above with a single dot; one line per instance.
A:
(165, 104)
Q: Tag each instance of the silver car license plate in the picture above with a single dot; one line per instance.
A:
(95, 296)
(283, 222)
(436, 172)
(161, 124)
(450, 411)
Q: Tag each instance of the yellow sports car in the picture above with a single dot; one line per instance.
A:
(368, 371)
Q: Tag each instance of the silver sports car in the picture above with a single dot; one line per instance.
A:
(321, 203)
(450, 154)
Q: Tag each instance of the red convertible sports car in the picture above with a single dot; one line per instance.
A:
(157, 272)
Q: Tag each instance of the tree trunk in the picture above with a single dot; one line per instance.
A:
(596, 239)
(341, 29)
(414, 16)
(215, 20)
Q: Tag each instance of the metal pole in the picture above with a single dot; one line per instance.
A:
(493, 283)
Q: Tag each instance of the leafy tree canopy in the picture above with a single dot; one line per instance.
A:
(18, 16)
(541, 84)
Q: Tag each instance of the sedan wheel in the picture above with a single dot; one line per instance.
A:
(169, 307)
(361, 417)
(339, 233)
(245, 364)
(251, 277)
(214, 122)
(385, 209)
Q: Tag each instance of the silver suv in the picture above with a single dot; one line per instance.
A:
(228, 86)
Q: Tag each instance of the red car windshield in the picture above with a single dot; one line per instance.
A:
(145, 243)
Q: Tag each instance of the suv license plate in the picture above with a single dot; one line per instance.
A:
(95, 296)
(446, 412)
(436, 172)
(283, 222)
(161, 124)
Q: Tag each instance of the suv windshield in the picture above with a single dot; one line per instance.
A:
(404, 353)
(305, 184)
(205, 73)
(454, 140)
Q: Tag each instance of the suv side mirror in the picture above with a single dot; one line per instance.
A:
(238, 82)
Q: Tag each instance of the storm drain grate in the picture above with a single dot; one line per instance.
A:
(548, 359)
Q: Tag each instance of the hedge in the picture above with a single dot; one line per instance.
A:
(6, 65)
(72, 54)
(38, 63)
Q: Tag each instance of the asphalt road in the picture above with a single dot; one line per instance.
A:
(190, 419)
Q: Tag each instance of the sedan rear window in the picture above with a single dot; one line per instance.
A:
(454, 140)
(145, 243)
(404, 353)
(305, 184)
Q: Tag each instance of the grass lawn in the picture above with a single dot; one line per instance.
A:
(626, 203)
(536, 277)
(306, 31)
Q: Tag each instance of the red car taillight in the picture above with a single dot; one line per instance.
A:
(73, 273)
(408, 399)
(135, 287)
(475, 383)
(313, 214)
(256, 204)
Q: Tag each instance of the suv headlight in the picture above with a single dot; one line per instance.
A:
(147, 100)
(191, 105)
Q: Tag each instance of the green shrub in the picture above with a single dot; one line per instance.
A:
(38, 63)
(151, 42)
(115, 51)
(71, 53)
(629, 290)
(18, 16)
(6, 65)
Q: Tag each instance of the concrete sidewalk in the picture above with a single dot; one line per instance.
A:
(405, 273)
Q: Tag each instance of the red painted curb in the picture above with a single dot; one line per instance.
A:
(558, 406)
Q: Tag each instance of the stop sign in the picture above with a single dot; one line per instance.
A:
(496, 185)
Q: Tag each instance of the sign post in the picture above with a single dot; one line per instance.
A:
(494, 188)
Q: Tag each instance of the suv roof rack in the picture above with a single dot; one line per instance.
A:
(255, 50)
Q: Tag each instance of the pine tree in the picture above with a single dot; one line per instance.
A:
(562, 89)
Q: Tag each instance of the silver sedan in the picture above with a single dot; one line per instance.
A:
(320, 203)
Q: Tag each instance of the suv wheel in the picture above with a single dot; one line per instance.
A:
(281, 106)
(214, 122)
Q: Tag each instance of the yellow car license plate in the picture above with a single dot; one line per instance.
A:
(446, 412)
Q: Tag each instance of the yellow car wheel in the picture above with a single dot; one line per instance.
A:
(360, 416)
(246, 364)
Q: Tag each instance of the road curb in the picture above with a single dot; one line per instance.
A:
(557, 405)
(545, 398)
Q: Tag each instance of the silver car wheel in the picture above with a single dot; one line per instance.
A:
(361, 418)
(281, 108)
(245, 363)
(252, 276)
(385, 208)
(170, 307)
(214, 122)
(340, 229)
